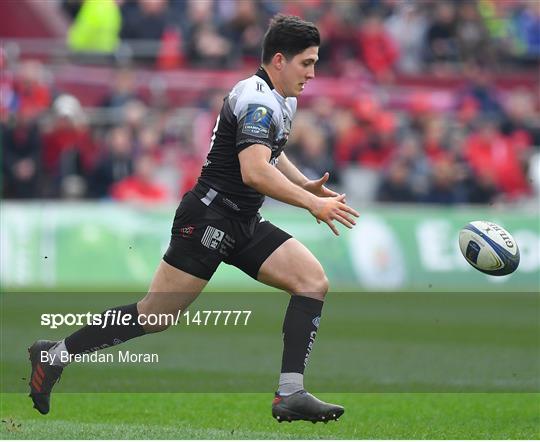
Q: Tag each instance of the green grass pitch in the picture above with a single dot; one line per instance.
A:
(405, 365)
(247, 416)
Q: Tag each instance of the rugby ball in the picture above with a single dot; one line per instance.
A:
(489, 248)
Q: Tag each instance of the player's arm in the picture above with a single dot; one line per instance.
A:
(287, 168)
(259, 174)
(317, 187)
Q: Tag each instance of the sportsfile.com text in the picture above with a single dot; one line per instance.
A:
(115, 317)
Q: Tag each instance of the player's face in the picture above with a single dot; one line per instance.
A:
(299, 70)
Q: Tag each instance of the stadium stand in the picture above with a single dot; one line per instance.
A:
(421, 101)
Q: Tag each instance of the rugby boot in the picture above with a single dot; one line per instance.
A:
(43, 376)
(304, 406)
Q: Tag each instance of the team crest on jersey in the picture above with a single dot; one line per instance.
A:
(212, 237)
(258, 120)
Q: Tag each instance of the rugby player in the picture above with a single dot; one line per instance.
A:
(219, 220)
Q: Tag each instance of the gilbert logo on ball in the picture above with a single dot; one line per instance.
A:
(489, 248)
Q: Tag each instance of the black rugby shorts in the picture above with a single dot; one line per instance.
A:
(202, 238)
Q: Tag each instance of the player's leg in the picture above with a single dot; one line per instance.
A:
(171, 290)
(276, 259)
(186, 267)
(293, 268)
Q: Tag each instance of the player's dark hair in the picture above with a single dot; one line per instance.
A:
(289, 35)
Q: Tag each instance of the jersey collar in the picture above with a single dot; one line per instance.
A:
(264, 75)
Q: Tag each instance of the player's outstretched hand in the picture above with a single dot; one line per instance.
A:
(330, 209)
(317, 187)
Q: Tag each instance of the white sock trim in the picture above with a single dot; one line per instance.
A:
(290, 383)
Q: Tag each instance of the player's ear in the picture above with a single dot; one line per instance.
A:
(278, 60)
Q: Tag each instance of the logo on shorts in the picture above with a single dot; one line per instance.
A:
(316, 321)
(212, 237)
(187, 231)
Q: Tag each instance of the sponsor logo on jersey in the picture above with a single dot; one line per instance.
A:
(212, 237)
(258, 121)
(187, 231)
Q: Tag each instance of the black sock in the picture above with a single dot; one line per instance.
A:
(96, 337)
(299, 331)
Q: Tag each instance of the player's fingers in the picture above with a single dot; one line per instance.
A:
(329, 192)
(332, 227)
(348, 209)
(341, 197)
(344, 221)
(346, 217)
(324, 178)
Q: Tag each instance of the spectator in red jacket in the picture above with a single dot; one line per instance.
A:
(140, 187)
(369, 141)
(32, 92)
(491, 153)
(378, 50)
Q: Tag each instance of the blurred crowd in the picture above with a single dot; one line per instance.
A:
(380, 36)
(54, 148)
(483, 148)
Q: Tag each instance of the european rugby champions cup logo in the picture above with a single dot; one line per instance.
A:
(257, 121)
(259, 114)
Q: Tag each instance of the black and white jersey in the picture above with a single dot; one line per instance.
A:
(252, 113)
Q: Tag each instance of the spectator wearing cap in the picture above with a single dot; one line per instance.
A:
(68, 147)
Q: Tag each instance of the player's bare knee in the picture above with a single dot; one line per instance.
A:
(312, 285)
(320, 286)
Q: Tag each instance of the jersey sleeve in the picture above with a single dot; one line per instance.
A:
(256, 116)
